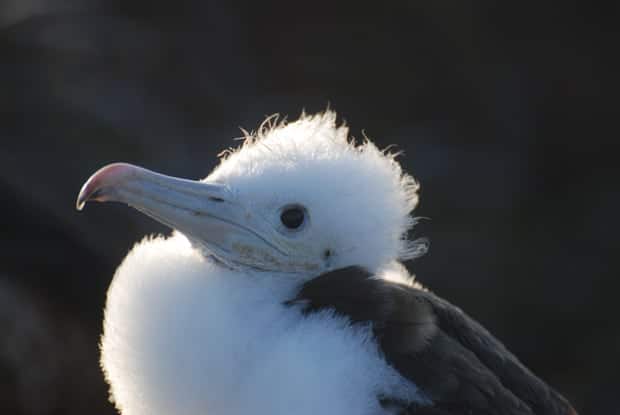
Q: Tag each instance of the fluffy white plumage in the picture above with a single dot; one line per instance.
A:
(185, 335)
(358, 197)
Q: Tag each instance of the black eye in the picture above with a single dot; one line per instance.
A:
(293, 216)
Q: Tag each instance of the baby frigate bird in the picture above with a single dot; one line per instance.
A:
(282, 292)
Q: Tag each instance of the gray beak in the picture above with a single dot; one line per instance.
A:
(207, 213)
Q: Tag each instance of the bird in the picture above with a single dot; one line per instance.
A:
(281, 290)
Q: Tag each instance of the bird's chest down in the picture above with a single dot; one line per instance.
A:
(220, 346)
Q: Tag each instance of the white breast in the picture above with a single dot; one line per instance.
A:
(183, 336)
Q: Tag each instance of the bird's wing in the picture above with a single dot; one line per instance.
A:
(458, 364)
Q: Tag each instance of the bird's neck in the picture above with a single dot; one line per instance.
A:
(184, 335)
(173, 314)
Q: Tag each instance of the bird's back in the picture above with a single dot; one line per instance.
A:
(454, 361)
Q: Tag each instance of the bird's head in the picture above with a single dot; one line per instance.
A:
(298, 197)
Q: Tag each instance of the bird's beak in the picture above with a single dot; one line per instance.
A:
(204, 212)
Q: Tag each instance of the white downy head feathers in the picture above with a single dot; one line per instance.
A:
(357, 199)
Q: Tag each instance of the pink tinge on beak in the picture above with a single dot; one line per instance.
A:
(206, 212)
(105, 178)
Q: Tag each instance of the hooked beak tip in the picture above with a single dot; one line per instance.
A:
(79, 204)
(86, 196)
(104, 178)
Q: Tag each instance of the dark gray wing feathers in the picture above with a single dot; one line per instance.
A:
(453, 359)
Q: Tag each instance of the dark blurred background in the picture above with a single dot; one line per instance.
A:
(506, 113)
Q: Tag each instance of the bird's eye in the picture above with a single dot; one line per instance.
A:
(293, 216)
